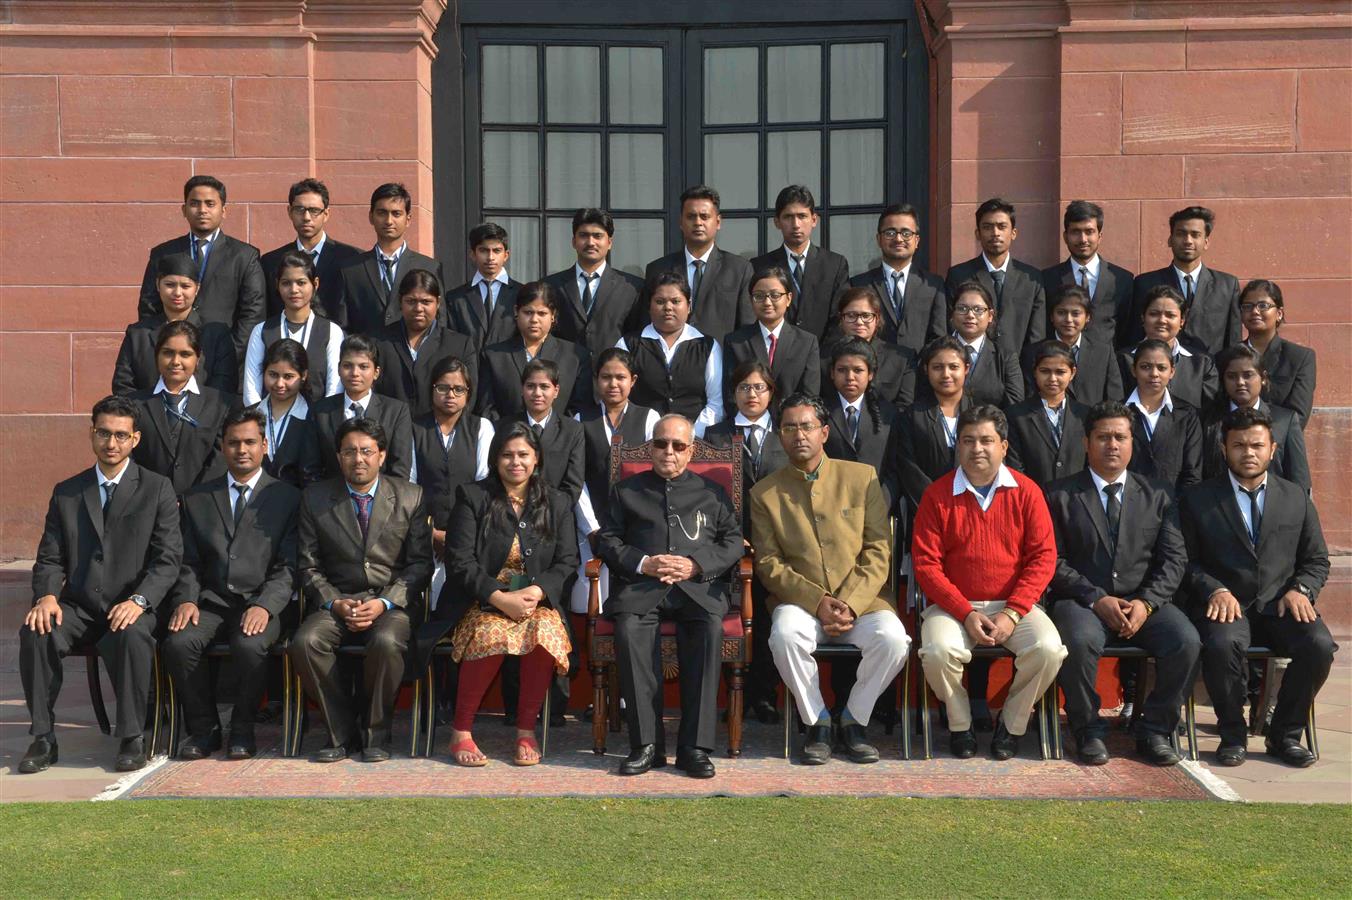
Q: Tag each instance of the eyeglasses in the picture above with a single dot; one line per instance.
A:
(752, 388)
(103, 434)
(971, 310)
(762, 296)
(664, 444)
(905, 234)
(864, 317)
(806, 428)
(455, 390)
(1261, 306)
(354, 452)
(310, 212)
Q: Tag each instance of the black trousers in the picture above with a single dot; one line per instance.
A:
(1167, 635)
(314, 653)
(699, 642)
(1226, 670)
(129, 655)
(183, 651)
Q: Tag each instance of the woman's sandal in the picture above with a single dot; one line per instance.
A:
(529, 744)
(468, 746)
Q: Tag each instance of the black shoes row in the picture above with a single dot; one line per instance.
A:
(962, 744)
(42, 753)
(690, 760)
(847, 738)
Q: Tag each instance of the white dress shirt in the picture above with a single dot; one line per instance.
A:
(1100, 484)
(248, 494)
(1151, 418)
(1003, 479)
(1242, 500)
(712, 413)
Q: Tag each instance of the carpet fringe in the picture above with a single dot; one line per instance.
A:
(129, 781)
(1211, 782)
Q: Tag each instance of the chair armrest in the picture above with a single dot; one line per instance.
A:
(593, 573)
(744, 574)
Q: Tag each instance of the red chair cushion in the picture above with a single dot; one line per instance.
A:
(732, 627)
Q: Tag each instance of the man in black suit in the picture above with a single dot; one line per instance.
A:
(412, 347)
(370, 281)
(598, 298)
(307, 205)
(1120, 561)
(921, 313)
(719, 281)
(1108, 286)
(819, 275)
(485, 306)
(669, 537)
(1020, 301)
(238, 576)
(1212, 296)
(230, 278)
(365, 559)
(110, 552)
(1256, 563)
(359, 368)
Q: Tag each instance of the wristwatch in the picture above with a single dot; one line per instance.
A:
(140, 601)
(1305, 590)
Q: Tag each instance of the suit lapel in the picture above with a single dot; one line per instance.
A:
(93, 502)
(372, 267)
(569, 288)
(711, 270)
(1089, 497)
(345, 512)
(1230, 509)
(155, 405)
(381, 511)
(1044, 426)
(222, 497)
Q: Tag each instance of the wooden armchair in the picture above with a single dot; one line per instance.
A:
(724, 467)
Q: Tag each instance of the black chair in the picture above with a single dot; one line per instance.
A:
(1270, 657)
(295, 713)
(174, 709)
(850, 651)
(90, 654)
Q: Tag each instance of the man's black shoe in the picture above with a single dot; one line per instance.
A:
(817, 749)
(1003, 744)
(641, 759)
(41, 755)
(962, 744)
(1231, 755)
(200, 746)
(694, 762)
(765, 712)
(331, 754)
(854, 739)
(131, 755)
(1290, 751)
(1093, 752)
(1155, 748)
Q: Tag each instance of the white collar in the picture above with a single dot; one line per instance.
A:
(189, 388)
(250, 484)
(763, 423)
(977, 345)
(209, 239)
(1135, 400)
(1060, 411)
(1241, 489)
(845, 404)
(1078, 339)
(1099, 483)
(1196, 274)
(905, 271)
(991, 267)
(766, 332)
(1177, 348)
(690, 258)
(318, 248)
(363, 401)
(501, 278)
(116, 479)
(789, 254)
(579, 273)
(543, 423)
(1003, 479)
(689, 333)
(380, 254)
(300, 407)
(1257, 405)
(1092, 266)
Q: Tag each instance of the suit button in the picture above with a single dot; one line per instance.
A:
(366, 565)
(233, 556)
(98, 557)
(521, 525)
(98, 590)
(671, 548)
(529, 551)
(1114, 574)
(1058, 463)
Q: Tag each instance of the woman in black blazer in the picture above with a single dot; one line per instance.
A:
(1038, 448)
(1243, 378)
(181, 422)
(1290, 367)
(1194, 378)
(1167, 432)
(176, 283)
(1097, 376)
(993, 374)
(293, 447)
(510, 549)
(796, 365)
(872, 438)
(928, 432)
(501, 364)
(860, 314)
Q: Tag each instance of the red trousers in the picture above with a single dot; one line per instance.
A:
(476, 675)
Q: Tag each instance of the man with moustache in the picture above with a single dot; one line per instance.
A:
(1107, 286)
(598, 297)
(1020, 301)
(915, 306)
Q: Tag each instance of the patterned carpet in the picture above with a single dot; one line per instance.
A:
(572, 770)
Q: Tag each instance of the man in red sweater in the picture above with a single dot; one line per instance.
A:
(983, 552)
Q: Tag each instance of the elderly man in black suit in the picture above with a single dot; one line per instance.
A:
(238, 578)
(1256, 564)
(1020, 301)
(230, 276)
(669, 537)
(1211, 296)
(307, 205)
(365, 559)
(819, 275)
(597, 297)
(915, 307)
(1107, 286)
(1120, 561)
(110, 552)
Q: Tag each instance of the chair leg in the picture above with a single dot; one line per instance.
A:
(790, 719)
(1042, 732)
(735, 686)
(96, 693)
(1312, 732)
(925, 717)
(1190, 717)
(416, 716)
(600, 694)
(905, 712)
(544, 724)
(157, 699)
(173, 726)
(430, 711)
(287, 705)
(1054, 695)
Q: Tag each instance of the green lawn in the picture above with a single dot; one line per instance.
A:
(714, 847)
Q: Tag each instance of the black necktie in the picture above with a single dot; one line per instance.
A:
(1084, 278)
(1189, 291)
(243, 498)
(109, 488)
(1075, 355)
(539, 431)
(898, 293)
(357, 411)
(852, 425)
(488, 300)
(1255, 514)
(387, 272)
(1056, 425)
(998, 276)
(201, 249)
(797, 272)
(1114, 511)
(589, 295)
(173, 414)
(753, 443)
(699, 278)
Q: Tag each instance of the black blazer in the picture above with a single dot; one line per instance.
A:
(724, 300)
(229, 568)
(771, 459)
(1174, 454)
(877, 442)
(465, 311)
(923, 454)
(500, 368)
(1213, 323)
(1020, 312)
(335, 255)
(1033, 450)
(565, 455)
(1110, 312)
(196, 455)
(364, 306)
(393, 415)
(896, 380)
(1291, 377)
(596, 449)
(232, 290)
(1290, 549)
(440, 473)
(688, 516)
(95, 562)
(994, 378)
(404, 378)
(296, 458)
(1290, 461)
(1146, 564)
(825, 274)
(924, 312)
(797, 360)
(136, 368)
(1098, 373)
(617, 294)
(1195, 381)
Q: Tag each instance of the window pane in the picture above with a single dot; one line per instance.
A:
(636, 171)
(637, 243)
(731, 86)
(740, 236)
(853, 238)
(573, 84)
(731, 164)
(856, 81)
(793, 157)
(523, 236)
(511, 89)
(559, 253)
(511, 169)
(635, 85)
(573, 170)
(857, 167)
(793, 84)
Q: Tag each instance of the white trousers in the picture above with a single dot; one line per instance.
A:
(795, 634)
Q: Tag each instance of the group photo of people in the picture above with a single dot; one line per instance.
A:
(327, 446)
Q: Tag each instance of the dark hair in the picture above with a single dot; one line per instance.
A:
(114, 405)
(972, 286)
(1239, 351)
(537, 290)
(795, 193)
(898, 209)
(849, 295)
(419, 280)
(863, 349)
(240, 416)
(309, 186)
(755, 367)
(1107, 409)
(198, 181)
(933, 348)
(1082, 211)
(1052, 349)
(665, 278)
(1152, 344)
(181, 328)
(547, 367)
(591, 215)
(294, 259)
(364, 425)
(700, 192)
(392, 190)
(1243, 419)
(1269, 288)
(291, 352)
(615, 354)
(1193, 212)
(450, 365)
(537, 489)
(775, 272)
(803, 398)
(995, 205)
(488, 231)
(1165, 290)
(173, 265)
(983, 412)
(360, 343)
(1073, 293)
